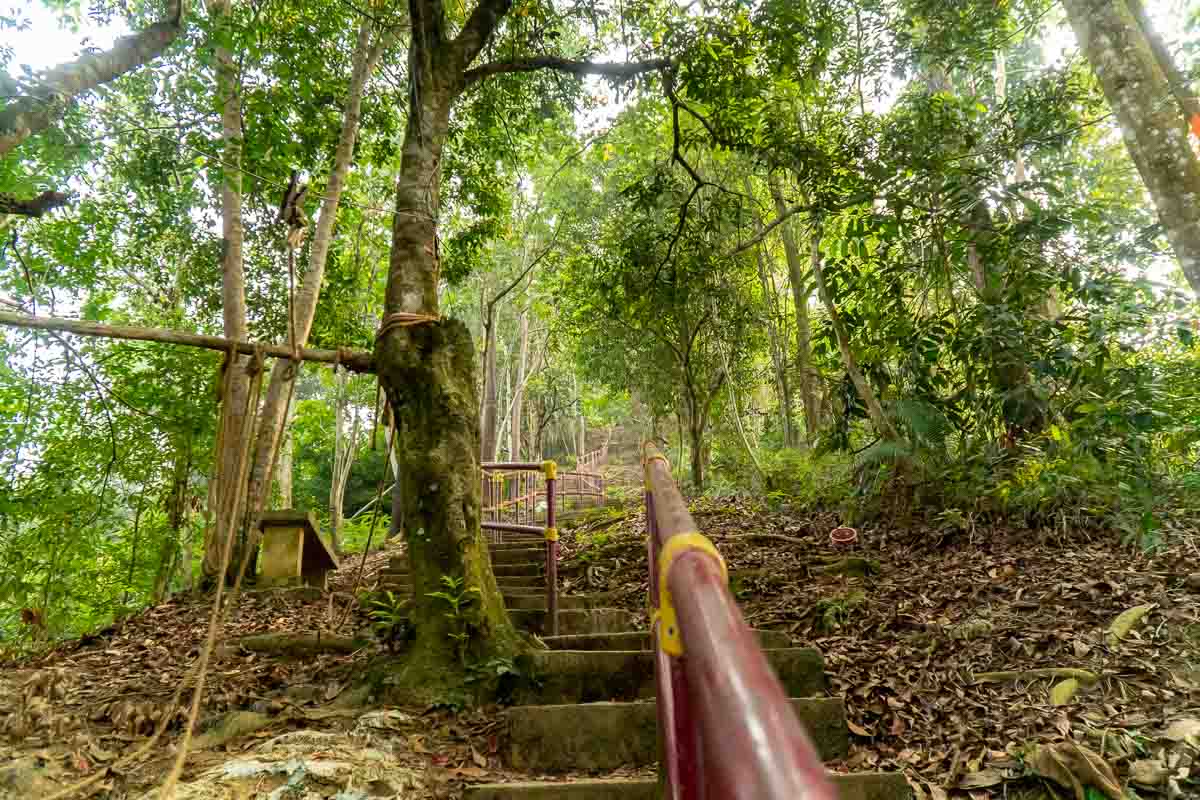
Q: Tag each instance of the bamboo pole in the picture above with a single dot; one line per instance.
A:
(353, 360)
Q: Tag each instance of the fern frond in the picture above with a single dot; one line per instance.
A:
(884, 453)
(926, 422)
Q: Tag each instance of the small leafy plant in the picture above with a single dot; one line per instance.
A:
(389, 618)
(459, 600)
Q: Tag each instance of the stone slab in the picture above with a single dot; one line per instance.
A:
(596, 737)
(577, 676)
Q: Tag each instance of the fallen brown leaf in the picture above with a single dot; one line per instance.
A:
(1076, 767)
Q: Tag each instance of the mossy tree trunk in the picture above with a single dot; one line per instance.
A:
(429, 372)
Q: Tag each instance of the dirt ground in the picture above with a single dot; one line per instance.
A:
(916, 622)
(911, 622)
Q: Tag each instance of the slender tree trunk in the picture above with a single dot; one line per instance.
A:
(778, 349)
(345, 447)
(800, 294)
(1189, 103)
(581, 421)
(304, 308)
(696, 438)
(133, 552)
(48, 95)
(488, 439)
(170, 557)
(503, 400)
(235, 424)
(396, 525)
(519, 388)
(1154, 132)
(866, 393)
(286, 458)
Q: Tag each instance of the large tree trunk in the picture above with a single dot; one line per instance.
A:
(1153, 129)
(428, 372)
(304, 308)
(235, 423)
(866, 393)
(800, 294)
(514, 447)
(48, 95)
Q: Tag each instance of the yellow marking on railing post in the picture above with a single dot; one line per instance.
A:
(551, 534)
(550, 468)
(669, 638)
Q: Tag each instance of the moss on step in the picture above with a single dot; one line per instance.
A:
(230, 726)
(567, 676)
(596, 737)
(597, 620)
(640, 640)
(536, 600)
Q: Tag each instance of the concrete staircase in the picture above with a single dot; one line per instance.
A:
(519, 568)
(593, 708)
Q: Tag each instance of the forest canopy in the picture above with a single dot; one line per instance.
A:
(938, 258)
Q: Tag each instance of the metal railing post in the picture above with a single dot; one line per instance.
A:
(731, 731)
(550, 469)
(679, 741)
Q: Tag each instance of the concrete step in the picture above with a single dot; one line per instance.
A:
(639, 640)
(517, 543)
(519, 555)
(595, 737)
(527, 600)
(575, 621)
(577, 676)
(523, 593)
(849, 786)
(515, 584)
(521, 568)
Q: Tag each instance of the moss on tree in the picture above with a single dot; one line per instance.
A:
(428, 372)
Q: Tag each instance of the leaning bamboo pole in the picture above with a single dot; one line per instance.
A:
(353, 360)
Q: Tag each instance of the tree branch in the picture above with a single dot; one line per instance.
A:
(611, 69)
(353, 360)
(476, 32)
(529, 268)
(34, 206)
(54, 89)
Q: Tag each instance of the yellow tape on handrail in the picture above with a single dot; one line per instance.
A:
(551, 534)
(550, 468)
(668, 633)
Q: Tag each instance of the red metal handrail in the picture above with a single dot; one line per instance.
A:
(526, 478)
(726, 725)
(593, 458)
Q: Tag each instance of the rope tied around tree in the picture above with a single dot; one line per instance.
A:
(403, 319)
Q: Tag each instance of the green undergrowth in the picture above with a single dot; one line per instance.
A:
(1056, 479)
(470, 676)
